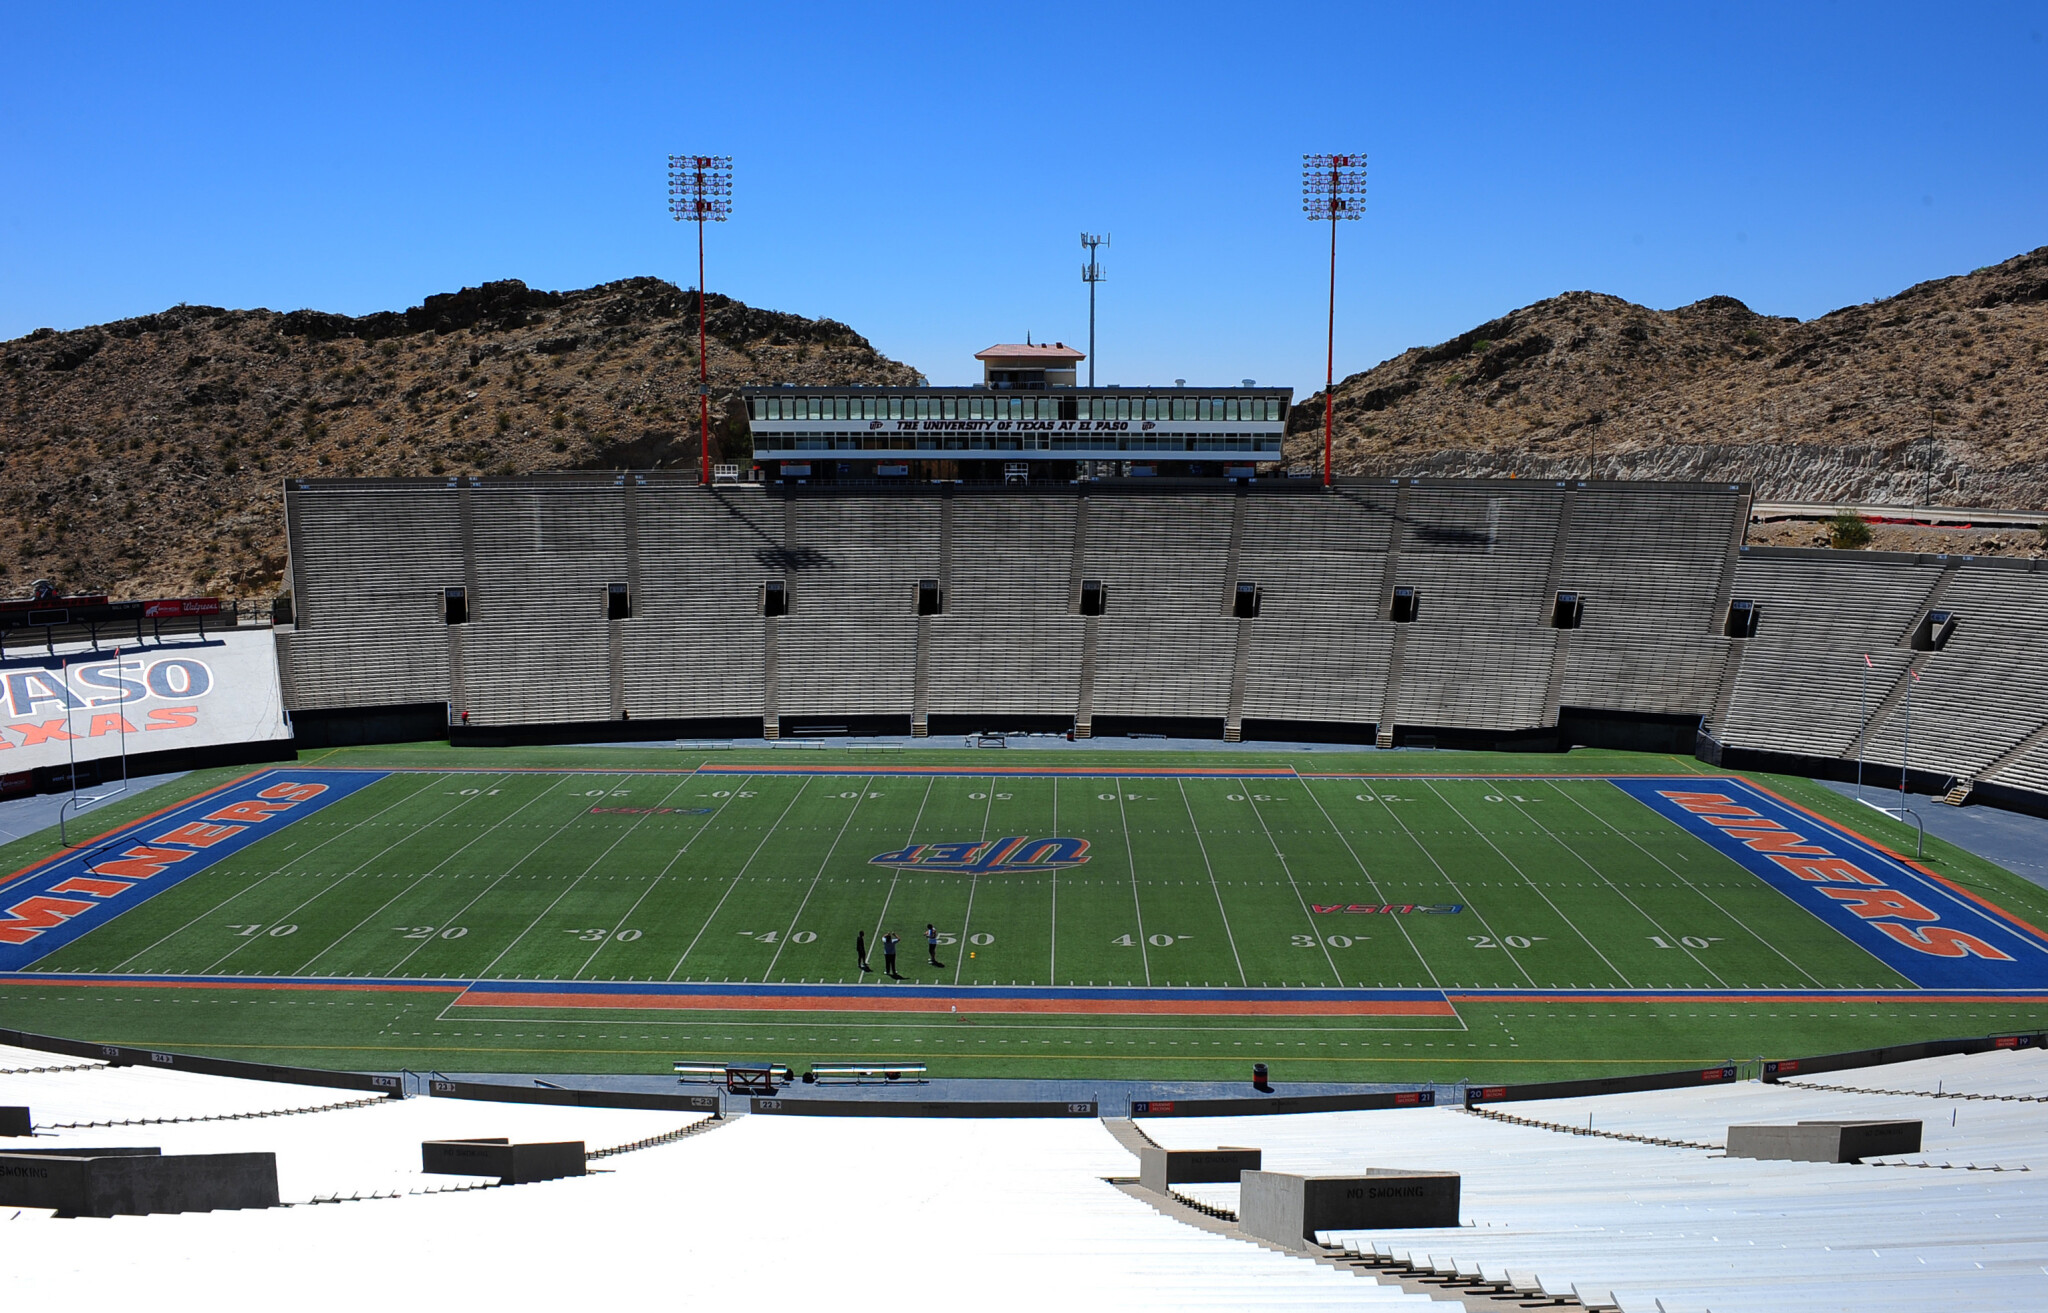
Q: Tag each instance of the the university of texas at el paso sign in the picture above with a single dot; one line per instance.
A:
(1006, 856)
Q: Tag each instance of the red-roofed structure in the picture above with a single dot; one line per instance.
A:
(1029, 367)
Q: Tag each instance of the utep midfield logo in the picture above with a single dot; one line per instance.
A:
(1021, 856)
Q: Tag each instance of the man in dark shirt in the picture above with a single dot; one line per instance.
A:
(860, 949)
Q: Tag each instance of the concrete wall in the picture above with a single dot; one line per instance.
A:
(119, 1182)
(1825, 1141)
(512, 1164)
(1159, 1168)
(1289, 1210)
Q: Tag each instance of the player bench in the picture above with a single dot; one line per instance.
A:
(865, 1073)
(738, 1077)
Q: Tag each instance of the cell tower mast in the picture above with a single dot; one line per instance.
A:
(1091, 274)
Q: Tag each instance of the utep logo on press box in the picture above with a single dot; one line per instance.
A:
(1011, 855)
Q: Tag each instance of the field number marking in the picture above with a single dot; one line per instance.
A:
(1254, 797)
(741, 793)
(1512, 797)
(427, 931)
(471, 793)
(1690, 941)
(1334, 941)
(983, 797)
(599, 935)
(1157, 941)
(1506, 941)
(597, 793)
(276, 931)
(1379, 797)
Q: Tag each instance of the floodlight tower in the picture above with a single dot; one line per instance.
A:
(1091, 274)
(1333, 188)
(700, 188)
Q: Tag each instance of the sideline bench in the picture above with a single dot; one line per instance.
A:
(865, 1073)
(738, 1077)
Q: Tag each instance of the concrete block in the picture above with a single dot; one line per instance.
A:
(512, 1164)
(1159, 1168)
(1289, 1209)
(121, 1182)
(15, 1121)
(1825, 1141)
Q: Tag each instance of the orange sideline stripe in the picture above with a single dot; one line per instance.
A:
(944, 1003)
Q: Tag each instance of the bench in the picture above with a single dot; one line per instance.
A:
(865, 1073)
(737, 1077)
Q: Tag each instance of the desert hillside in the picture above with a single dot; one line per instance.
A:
(1939, 391)
(146, 456)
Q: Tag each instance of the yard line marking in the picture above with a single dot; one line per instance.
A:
(1719, 979)
(1281, 858)
(621, 923)
(397, 802)
(1526, 880)
(452, 920)
(818, 875)
(413, 882)
(624, 835)
(973, 885)
(897, 872)
(1052, 967)
(1131, 860)
(1453, 886)
(1216, 888)
(1682, 878)
(1379, 894)
(740, 874)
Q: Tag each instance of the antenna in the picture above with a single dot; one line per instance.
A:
(1091, 274)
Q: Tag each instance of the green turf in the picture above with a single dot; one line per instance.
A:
(463, 868)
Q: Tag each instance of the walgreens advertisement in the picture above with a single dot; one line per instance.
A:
(159, 696)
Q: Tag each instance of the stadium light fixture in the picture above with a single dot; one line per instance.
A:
(1091, 274)
(700, 189)
(1332, 188)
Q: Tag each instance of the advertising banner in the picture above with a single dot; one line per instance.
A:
(181, 693)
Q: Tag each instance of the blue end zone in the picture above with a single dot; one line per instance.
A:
(1913, 923)
(48, 906)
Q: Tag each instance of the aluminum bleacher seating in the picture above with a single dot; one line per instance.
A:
(1695, 1229)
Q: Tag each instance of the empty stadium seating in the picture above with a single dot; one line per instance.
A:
(1653, 567)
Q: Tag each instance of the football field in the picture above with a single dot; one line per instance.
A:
(1067, 899)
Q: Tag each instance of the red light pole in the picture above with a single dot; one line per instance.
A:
(700, 188)
(1333, 188)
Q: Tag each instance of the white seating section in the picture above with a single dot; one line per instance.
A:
(1697, 1230)
(888, 1211)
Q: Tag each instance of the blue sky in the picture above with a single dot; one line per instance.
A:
(923, 172)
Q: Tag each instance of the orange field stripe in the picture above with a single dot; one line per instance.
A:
(950, 1003)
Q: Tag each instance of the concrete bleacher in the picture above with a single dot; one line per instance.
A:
(1654, 564)
(1692, 1228)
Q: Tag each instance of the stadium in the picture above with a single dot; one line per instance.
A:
(1209, 807)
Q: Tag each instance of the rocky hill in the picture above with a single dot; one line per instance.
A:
(146, 456)
(1940, 391)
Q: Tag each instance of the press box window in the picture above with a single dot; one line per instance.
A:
(1092, 597)
(1743, 614)
(930, 601)
(774, 598)
(1407, 606)
(1245, 605)
(1936, 628)
(618, 602)
(455, 605)
(1567, 611)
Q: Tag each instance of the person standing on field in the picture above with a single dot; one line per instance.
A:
(889, 942)
(860, 949)
(931, 943)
